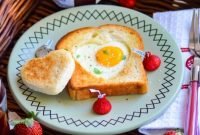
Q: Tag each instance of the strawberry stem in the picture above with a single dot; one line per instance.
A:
(32, 115)
(29, 121)
(148, 54)
(99, 93)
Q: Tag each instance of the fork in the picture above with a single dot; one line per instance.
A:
(44, 49)
(191, 124)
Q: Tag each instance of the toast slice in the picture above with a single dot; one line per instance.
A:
(131, 78)
(49, 74)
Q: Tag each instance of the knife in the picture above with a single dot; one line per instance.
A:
(192, 107)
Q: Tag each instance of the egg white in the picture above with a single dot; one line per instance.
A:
(86, 56)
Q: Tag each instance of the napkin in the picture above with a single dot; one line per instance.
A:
(177, 23)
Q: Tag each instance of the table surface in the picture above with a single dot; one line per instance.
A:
(47, 7)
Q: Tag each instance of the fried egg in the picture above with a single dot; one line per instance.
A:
(104, 61)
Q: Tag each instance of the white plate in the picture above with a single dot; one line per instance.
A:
(129, 112)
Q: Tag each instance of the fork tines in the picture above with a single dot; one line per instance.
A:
(195, 31)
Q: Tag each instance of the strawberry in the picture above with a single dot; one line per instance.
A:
(171, 132)
(102, 105)
(27, 126)
(127, 3)
(22, 129)
(151, 62)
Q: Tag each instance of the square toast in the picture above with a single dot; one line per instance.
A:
(130, 79)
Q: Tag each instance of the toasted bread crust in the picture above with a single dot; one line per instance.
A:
(49, 74)
(110, 90)
(132, 79)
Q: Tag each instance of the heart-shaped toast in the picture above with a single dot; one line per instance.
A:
(49, 74)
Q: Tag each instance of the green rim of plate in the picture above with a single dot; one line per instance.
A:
(156, 39)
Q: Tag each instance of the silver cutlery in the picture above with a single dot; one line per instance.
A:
(44, 49)
(191, 124)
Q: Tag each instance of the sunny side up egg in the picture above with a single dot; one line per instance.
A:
(104, 61)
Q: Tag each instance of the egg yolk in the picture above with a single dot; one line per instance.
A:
(109, 56)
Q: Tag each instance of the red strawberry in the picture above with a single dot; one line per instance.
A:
(127, 3)
(102, 105)
(22, 129)
(171, 132)
(151, 62)
(27, 126)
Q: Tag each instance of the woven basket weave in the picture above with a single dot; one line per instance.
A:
(16, 16)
